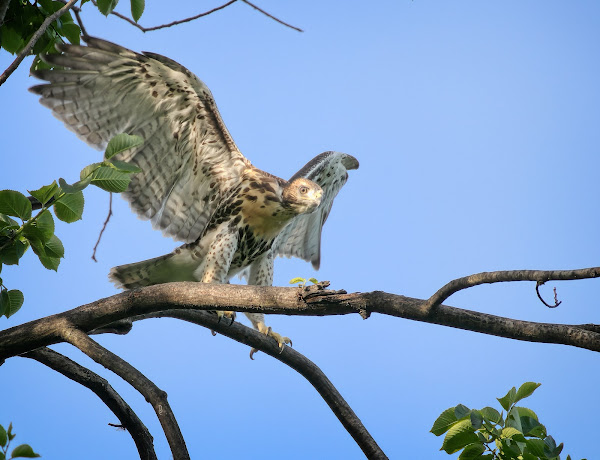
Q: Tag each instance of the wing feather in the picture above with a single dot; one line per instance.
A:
(302, 236)
(189, 161)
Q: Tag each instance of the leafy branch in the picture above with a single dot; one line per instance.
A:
(67, 202)
(21, 451)
(486, 434)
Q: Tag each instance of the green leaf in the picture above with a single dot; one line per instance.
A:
(54, 247)
(24, 451)
(443, 422)
(69, 208)
(137, 8)
(3, 435)
(472, 451)
(476, 419)
(536, 447)
(461, 411)
(120, 143)
(76, 187)
(42, 227)
(11, 254)
(111, 180)
(89, 170)
(524, 411)
(72, 32)
(297, 280)
(44, 194)
(7, 222)
(15, 204)
(511, 432)
(526, 390)
(509, 399)
(459, 435)
(490, 414)
(14, 301)
(106, 6)
(124, 166)
(313, 280)
(12, 41)
(50, 263)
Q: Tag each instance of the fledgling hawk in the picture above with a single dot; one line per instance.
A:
(195, 185)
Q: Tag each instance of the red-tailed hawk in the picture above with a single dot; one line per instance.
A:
(195, 185)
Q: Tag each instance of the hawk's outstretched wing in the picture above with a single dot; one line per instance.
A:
(302, 236)
(189, 161)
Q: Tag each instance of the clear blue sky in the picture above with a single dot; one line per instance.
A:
(476, 126)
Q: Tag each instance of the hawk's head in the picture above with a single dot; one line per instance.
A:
(302, 195)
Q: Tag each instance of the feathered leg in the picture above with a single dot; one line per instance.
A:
(261, 274)
(216, 263)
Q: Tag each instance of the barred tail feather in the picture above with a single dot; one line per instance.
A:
(140, 274)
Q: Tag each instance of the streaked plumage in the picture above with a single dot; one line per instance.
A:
(195, 185)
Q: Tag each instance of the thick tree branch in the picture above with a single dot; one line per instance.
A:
(154, 395)
(280, 300)
(540, 276)
(309, 370)
(129, 420)
(36, 36)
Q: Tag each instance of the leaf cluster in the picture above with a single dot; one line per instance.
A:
(21, 451)
(23, 19)
(67, 202)
(487, 434)
(301, 282)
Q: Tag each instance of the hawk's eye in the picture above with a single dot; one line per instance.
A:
(303, 189)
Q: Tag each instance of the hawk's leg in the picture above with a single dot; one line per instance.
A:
(216, 263)
(261, 274)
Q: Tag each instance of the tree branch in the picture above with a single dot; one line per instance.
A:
(36, 36)
(540, 276)
(280, 300)
(309, 370)
(154, 395)
(193, 18)
(129, 420)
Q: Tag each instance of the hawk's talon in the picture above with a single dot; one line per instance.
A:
(281, 340)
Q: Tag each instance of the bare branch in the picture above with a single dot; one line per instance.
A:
(154, 395)
(271, 16)
(171, 24)
(541, 276)
(309, 370)
(129, 420)
(193, 18)
(537, 290)
(36, 36)
(280, 300)
(110, 213)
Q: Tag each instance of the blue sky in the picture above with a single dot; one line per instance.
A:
(476, 126)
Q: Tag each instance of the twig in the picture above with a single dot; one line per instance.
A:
(80, 22)
(206, 13)
(537, 290)
(271, 16)
(36, 36)
(154, 395)
(110, 213)
(129, 420)
(174, 23)
(541, 276)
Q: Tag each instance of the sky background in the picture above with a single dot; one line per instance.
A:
(476, 127)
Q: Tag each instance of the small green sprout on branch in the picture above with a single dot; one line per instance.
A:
(67, 202)
(301, 282)
(21, 451)
(486, 434)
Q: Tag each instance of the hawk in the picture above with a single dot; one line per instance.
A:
(194, 185)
